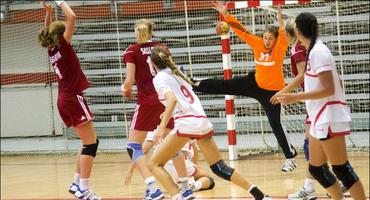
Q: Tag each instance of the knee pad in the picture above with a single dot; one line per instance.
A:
(222, 170)
(306, 149)
(346, 174)
(90, 149)
(323, 175)
(134, 150)
(212, 181)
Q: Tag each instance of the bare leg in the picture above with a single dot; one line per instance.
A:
(88, 136)
(139, 137)
(317, 159)
(335, 149)
(179, 163)
(164, 152)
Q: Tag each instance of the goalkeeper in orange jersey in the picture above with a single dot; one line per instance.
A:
(261, 84)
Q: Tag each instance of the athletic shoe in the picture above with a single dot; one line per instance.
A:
(86, 195)
(73, 188)
(158, 194)
(187, 195)
(303, 194)
(289, 165)
(344, 190)
(267, 197)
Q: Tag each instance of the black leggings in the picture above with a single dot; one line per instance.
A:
(247, 86)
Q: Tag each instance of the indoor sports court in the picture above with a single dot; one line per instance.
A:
(38, 151)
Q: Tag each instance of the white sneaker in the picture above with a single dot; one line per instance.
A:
(303, 194)
(87, 195)
(73, 188)
(289, 165)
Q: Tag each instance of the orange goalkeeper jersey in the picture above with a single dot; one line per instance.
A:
(269, 63)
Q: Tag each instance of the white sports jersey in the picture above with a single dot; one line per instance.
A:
(189, 116)
(327, 113)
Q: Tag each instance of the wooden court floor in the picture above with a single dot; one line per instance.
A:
(47, 177)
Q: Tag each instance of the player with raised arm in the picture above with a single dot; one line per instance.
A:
(175, 92)
(261, 84)
(328, 111)
(148, 109)
(56, 37)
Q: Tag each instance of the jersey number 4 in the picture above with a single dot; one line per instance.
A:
(187, 94)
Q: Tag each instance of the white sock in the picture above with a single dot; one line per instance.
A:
(184, 183)
(76, 178)
(197, 185)
(84, 184)
(177, 196)
(150, 182)
(309, 184)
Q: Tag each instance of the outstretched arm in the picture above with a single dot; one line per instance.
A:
(71, 20)
(49, 11)
(240, 30)
(280, 18)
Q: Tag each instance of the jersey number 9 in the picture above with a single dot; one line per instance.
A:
(187, 94)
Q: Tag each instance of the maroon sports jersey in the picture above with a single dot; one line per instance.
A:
(71, 79)
(298, 54)
(138, 54)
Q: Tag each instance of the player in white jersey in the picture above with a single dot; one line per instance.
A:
(199, 179)
(175, 92)
(327, 111)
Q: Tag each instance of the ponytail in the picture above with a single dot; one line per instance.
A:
(308, 26)
(175, 70)
(161, 57)
(43, 37)
(50, 36)
(312, 43)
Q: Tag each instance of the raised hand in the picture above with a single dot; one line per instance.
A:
(279, 17)
(220, 7)
(48, 8)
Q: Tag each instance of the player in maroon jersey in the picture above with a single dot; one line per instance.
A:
(56, 37)
(148, 110)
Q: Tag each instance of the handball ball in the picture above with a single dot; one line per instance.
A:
(222, 28)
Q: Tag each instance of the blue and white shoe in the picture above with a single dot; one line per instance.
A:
(73, 188)
(158, 194)
(86, 195)
(187, 195)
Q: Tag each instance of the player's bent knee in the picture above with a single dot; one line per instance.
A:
(346, 174)
(212, 185)
(222, 170)
(90, 149)
(323, 175)
(134, 150)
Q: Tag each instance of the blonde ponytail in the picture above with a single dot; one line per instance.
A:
(50, 36)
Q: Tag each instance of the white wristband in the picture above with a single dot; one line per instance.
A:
(59, 3)
(122, 87)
